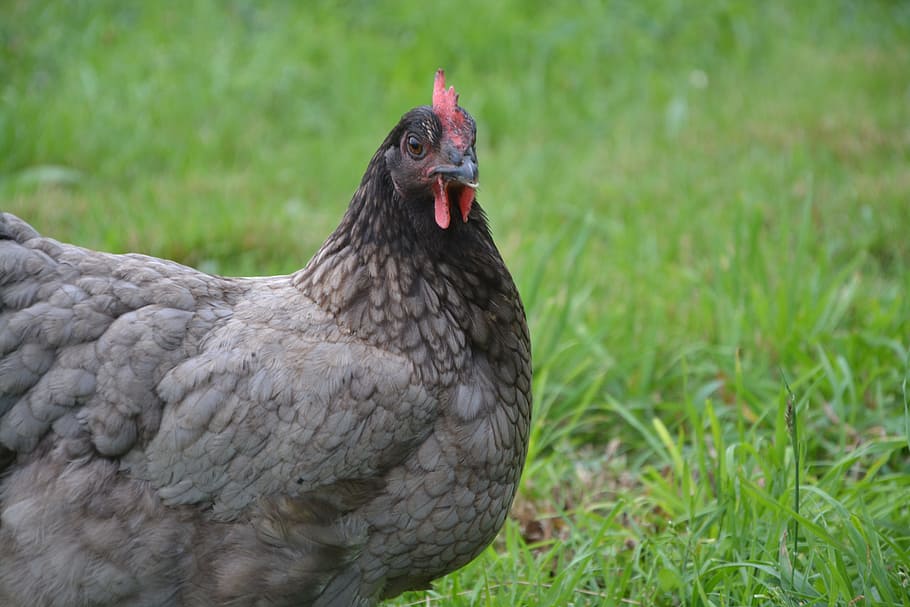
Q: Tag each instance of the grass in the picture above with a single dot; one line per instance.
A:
(697, 201)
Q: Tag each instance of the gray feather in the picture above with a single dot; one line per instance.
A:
(326, 439)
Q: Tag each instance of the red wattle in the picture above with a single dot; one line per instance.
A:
(441, 206)
(465, 200)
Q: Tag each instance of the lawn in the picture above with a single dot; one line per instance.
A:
(706, 207)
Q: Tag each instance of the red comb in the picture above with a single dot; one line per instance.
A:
(445, 105)
(444, 101)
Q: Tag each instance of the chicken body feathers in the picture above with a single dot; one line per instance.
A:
(331, 437)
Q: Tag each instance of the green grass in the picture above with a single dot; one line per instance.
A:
(697, 201)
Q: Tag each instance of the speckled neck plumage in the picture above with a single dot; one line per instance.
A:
(391, 276)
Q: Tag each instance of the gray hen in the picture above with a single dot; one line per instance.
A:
(332, 437)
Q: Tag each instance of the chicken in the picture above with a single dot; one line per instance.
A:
(331, 438)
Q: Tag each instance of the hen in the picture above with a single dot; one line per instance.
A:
(332, 437)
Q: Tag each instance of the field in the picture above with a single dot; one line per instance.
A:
(706, 207)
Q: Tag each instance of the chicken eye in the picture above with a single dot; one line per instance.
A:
(415, 148)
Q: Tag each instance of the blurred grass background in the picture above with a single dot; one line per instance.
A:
(696, 200)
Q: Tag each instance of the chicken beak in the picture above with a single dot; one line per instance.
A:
(464, 173)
